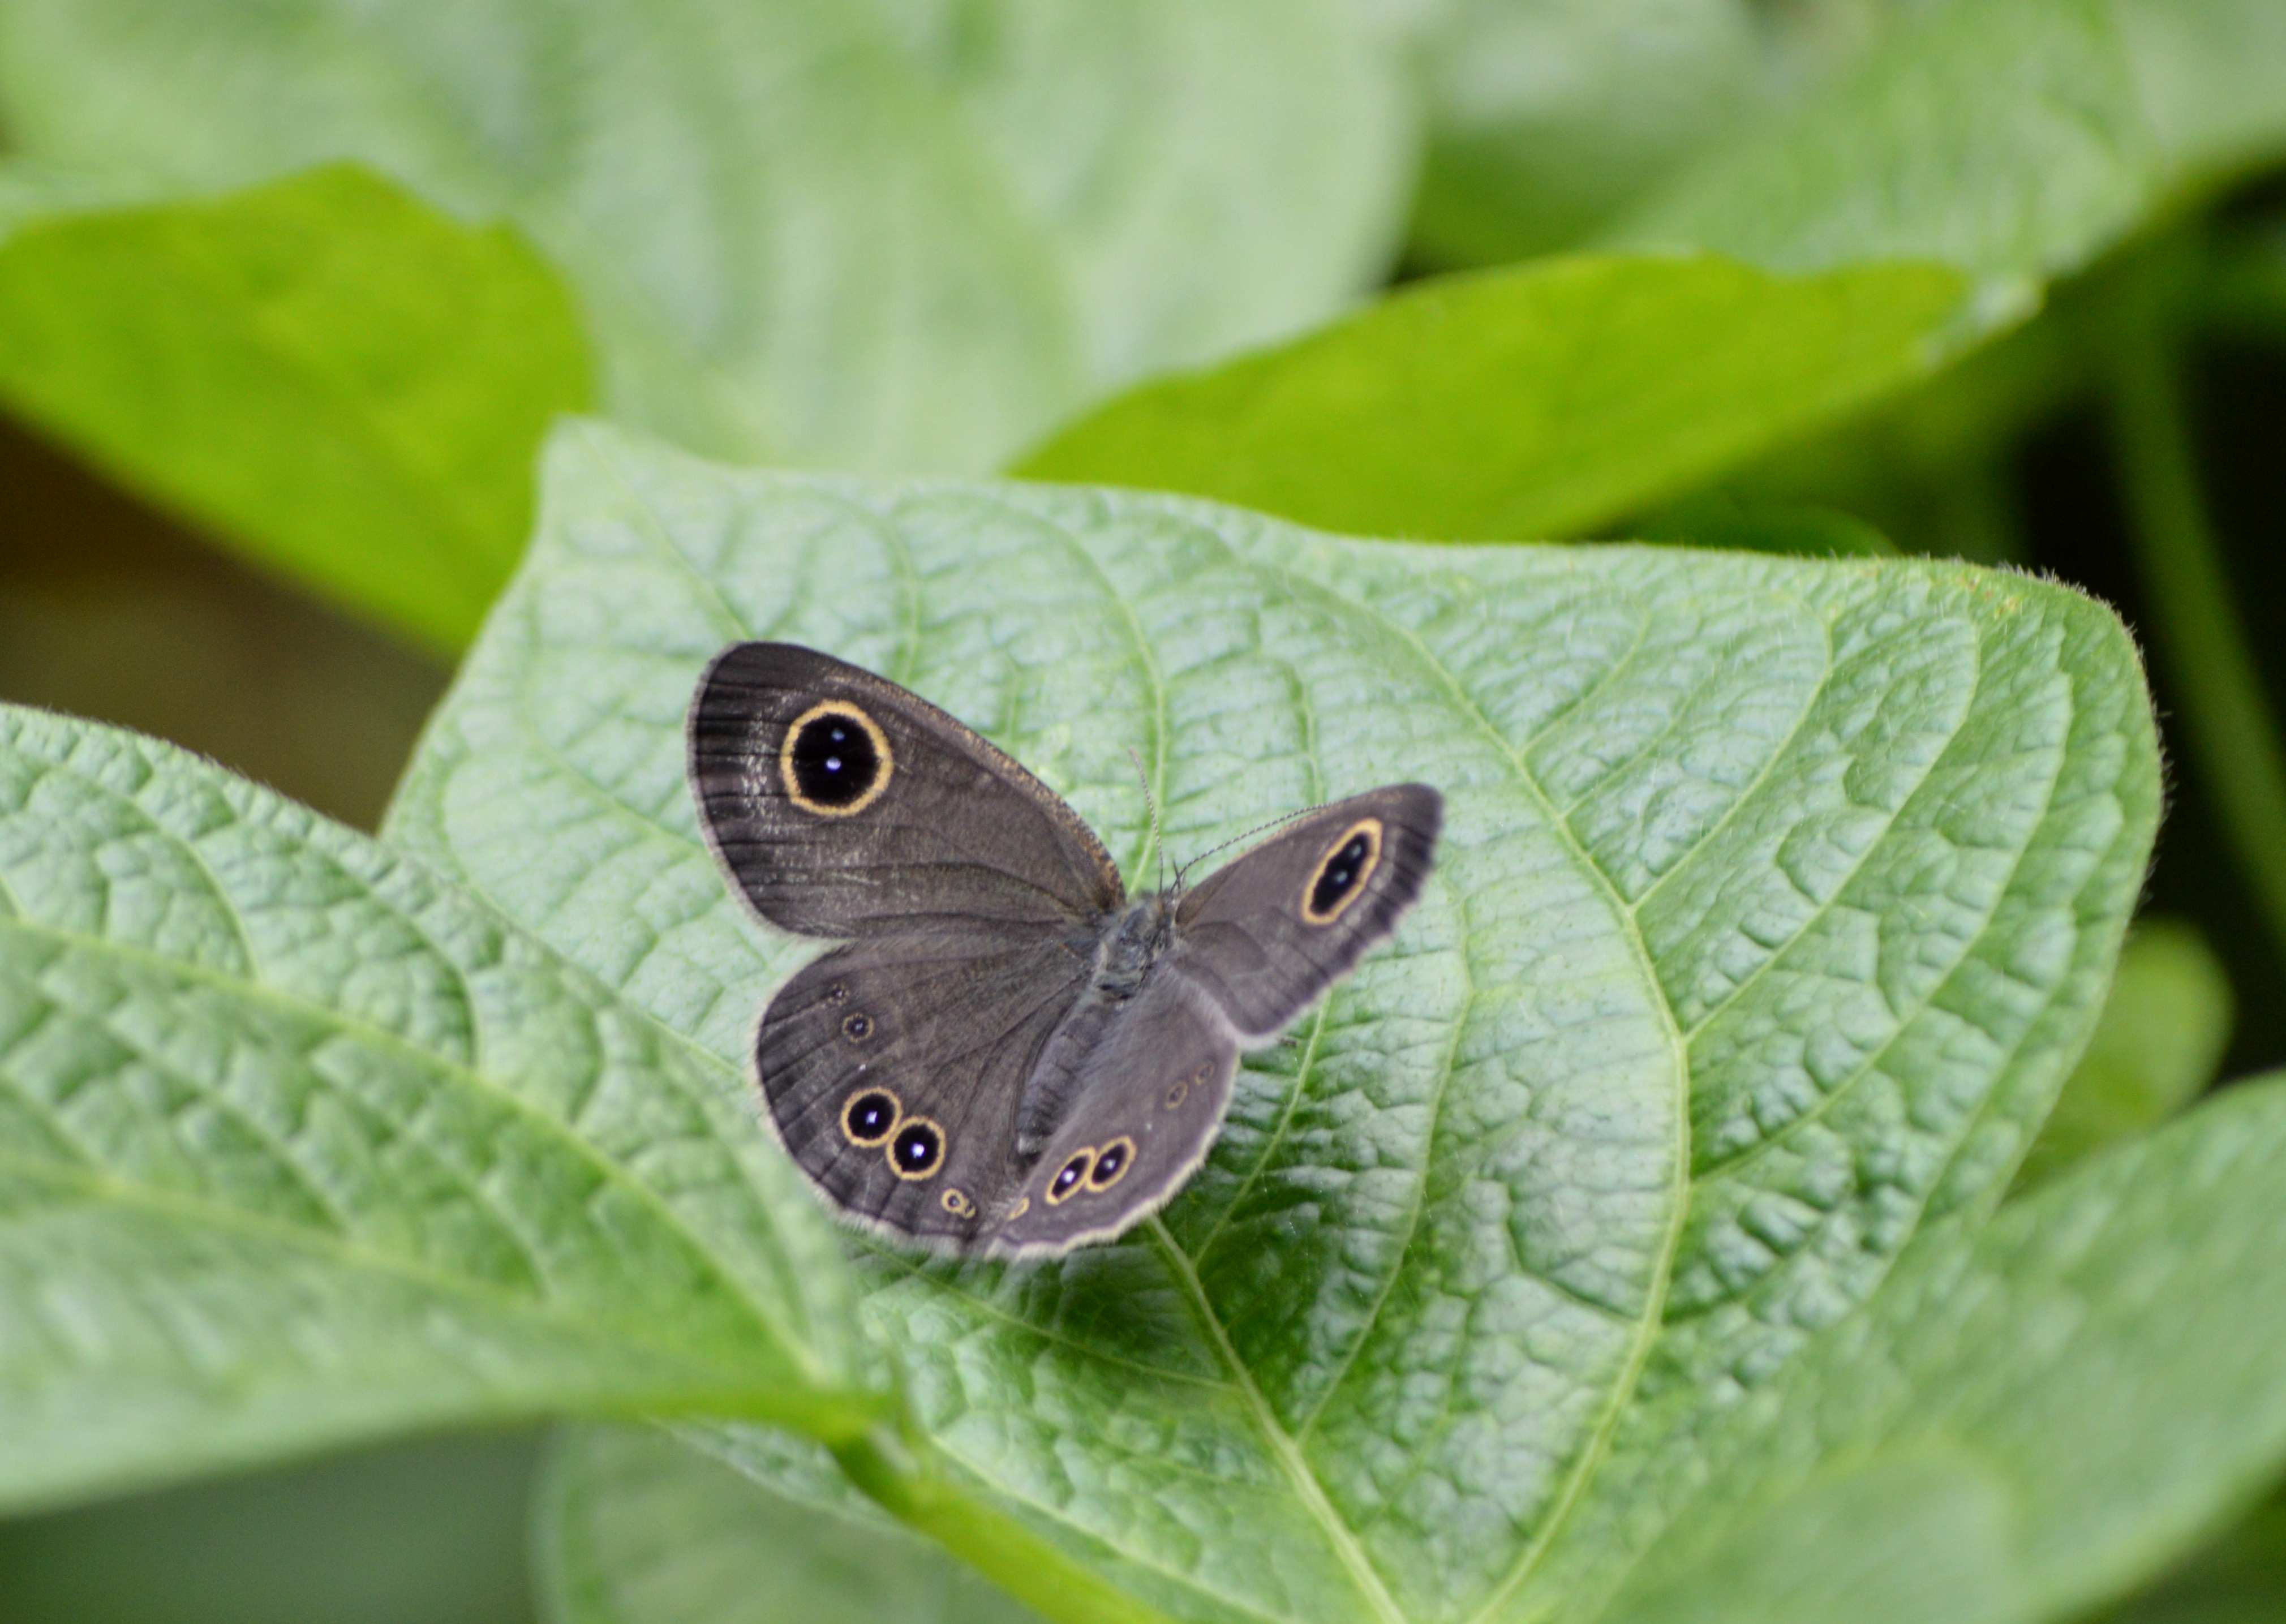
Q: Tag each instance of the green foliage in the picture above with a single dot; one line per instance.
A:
(277, 365)
(299, 1144)
(903, 236)
(1631, 1238)
(1544, 400)
(1633, 1107)
(2155, 1048)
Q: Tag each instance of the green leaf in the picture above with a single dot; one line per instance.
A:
(1533, 402)
(2156, 1046)
(2241, 1579)
(2015, 138)
(1775, 897)
(279, 366)
(1545, 118)
(297, 1144)
(631, 1527)
(907, 235)
(2026, 1418)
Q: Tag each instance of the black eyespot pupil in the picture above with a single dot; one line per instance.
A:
(870, 1114)
(859, 1027)
(1340, 873)
(1068, 1175)
(917, 1148)
(1107, 1164)
(833, 762)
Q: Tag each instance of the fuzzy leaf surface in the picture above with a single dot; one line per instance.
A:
(299, 1144)
(1775, 897)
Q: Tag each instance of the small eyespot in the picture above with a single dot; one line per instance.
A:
(1068, 1175)
(837, 994)
(955, 1201)
(918, 1149)
(1176, 1094)
(870, 1116)
(857, 1026)
(1111, 1164)
(1023, 1205)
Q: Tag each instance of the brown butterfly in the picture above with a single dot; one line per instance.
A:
(1009, 1056)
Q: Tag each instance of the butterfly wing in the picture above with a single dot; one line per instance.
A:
(1160, 1083)
(842, 805)
(1263, 936)
(892, 1069)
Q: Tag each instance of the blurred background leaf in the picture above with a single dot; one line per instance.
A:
(276, 367)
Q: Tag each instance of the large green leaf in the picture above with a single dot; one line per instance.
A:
(1775, 899)
(299, 1144)
(633, 1527)
(1538, 401)
(2024, 1420)
(278, 366)
(905, 235)
(2015, 138)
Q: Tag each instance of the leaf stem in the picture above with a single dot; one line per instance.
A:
(2230, 728)
(898, 1469)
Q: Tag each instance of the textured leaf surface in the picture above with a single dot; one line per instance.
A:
(904, 235)
(2015, 138)
(1775, 898)
(297, 1144)
(1532, 402)
(2158, 1042)
(632, 1526)
(279, 366)
(2024, 1420)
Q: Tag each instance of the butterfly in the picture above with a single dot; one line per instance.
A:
(1008, 1056)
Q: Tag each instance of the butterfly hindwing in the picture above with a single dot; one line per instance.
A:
(842, 805)
(891, 1070)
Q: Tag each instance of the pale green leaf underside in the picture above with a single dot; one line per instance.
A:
(278, 365)
(2025, 1419)
(2015, 139)
(298, 1145)
(633, 1527)
(906, 236)
(1774, 897)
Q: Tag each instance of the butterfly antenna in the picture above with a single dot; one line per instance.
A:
(1250, 834)
(1158, 847)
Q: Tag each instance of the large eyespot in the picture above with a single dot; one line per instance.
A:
(1111, 1164)
(836, 760)
(1068, 1176)
(857, 1026)
(1342, 872)
(917, 1150)
(870, 1116)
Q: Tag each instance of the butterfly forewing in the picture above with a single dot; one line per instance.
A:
(1266, 934)
(842, 805)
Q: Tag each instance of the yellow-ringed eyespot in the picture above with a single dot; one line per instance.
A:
(870, 1116)
(1111, 1164)
(1023, 1205)
(835, 761)
(917, 1149)
(856, 1025)
(955, 1201)
(1069, 1176)
(1340, 877)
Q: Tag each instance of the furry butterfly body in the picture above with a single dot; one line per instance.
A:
(1008, 1055)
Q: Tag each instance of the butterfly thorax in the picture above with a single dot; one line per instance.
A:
(1124, 957)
